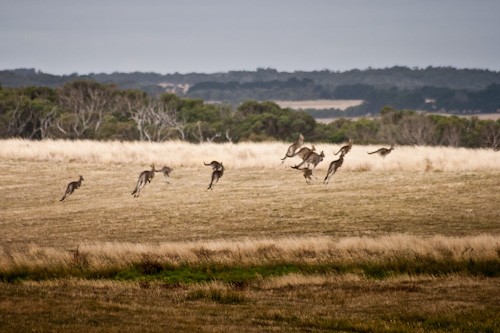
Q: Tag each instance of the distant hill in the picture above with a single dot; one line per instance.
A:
(431, 88)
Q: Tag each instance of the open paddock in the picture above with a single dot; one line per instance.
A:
(409, 242)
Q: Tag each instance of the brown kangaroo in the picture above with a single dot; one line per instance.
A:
(144, 178)
(293, 148)
(72, 187)
(383, 151)
(308, 173)
(166, 172)
(334, 165)
(312, 158)
(216, 175)
(214, 164)
(345, 149)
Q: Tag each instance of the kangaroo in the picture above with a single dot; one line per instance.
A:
(71, 187)
(345, 149)
(383, 151)
(214, 164)
(216, 175)
(144, 178)
(166, 172)
(304, 152)
(312, 158)
(293, 148)
(308, 173)
(333, 168)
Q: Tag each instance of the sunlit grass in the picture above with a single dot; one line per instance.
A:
(246, 155)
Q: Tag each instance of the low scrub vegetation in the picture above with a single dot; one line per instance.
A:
(89, 110)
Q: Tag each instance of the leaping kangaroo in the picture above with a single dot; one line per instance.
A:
(72, 187)
(214, 164)
(312, 158)
(308, 173)
(345, 149)
(166, 172)
(216, 175)
(383, 151)
(144, 178)
(333, 168)
(293, 148)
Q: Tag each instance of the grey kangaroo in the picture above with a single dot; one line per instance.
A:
(383, 151)
(72, 187)
(345, 149)
(333, 168)
(214, 164)
(308, 173)
(166, 172)
(216, 175)
(293, 148)
(312, 158)
(144, 178)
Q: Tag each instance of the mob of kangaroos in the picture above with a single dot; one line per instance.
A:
(310, 159)
(72, 187)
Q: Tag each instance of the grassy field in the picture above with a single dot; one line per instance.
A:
(410, 242)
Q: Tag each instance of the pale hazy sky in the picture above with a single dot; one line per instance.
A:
(66, 36)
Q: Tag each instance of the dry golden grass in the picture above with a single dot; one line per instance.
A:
(243, 155)
(421, 204)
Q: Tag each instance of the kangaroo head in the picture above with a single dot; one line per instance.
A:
(81, 178)
(322, 154)
(313, 148)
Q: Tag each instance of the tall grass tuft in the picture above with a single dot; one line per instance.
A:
(223, 260)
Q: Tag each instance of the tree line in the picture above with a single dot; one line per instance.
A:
(425, 98)
(83, 109)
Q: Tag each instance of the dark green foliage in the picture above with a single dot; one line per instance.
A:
(89, 110)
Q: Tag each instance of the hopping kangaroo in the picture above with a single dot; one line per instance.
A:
(333, 168)
(383, 151)
(293, 148)
(215, 165)
(304, 152)
(166, 172)
(345, 149)
(216, 174)
(144, 178)
(71, 187)
(312, 158)
(308, 173)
